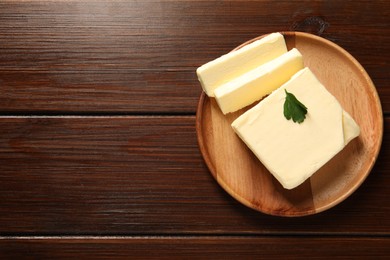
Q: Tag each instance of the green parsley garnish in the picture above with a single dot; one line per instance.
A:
(294, 109)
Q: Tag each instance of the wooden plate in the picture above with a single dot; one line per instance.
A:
(242, 175)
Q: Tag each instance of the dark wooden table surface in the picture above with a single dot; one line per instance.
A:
(98, 149)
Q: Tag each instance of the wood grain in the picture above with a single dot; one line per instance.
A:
(142, 176)
(101, 56)
(145, 176)
(196, 248)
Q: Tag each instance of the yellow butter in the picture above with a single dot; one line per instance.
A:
(292, 152)
(231, 65)
(255, 84)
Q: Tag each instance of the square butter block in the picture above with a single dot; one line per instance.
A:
(292, 152)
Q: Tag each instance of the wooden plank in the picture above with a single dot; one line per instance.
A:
(145, 175)
(120, 91)
(196, 248)
(99, 56)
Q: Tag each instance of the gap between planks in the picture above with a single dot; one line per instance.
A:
(202, 236)
(94, 115)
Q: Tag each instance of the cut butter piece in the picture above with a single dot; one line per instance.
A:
(261, 81)
(292, 152)
(233, 64)
(351, 129)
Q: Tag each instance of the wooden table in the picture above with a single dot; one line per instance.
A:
(98, 149)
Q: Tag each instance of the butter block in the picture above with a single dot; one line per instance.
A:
(292, 152)
(233, 64)
(350, 128)
(255, 84)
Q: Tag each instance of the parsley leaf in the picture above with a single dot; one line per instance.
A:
(294, 109)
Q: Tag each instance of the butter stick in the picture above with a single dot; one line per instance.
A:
(233, 64)
(261, 81)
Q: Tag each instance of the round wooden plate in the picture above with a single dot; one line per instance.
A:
(242, 175)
